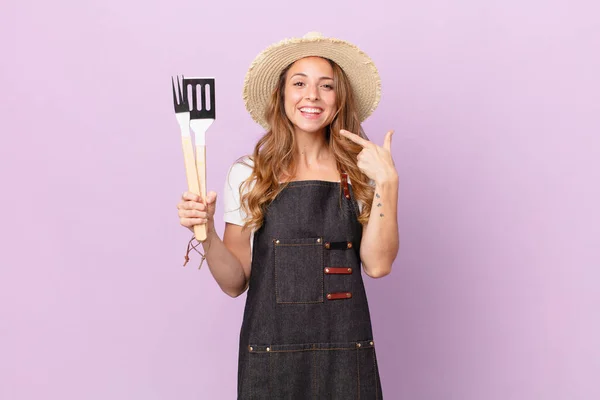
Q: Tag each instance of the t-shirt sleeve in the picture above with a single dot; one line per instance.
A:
(233, 212)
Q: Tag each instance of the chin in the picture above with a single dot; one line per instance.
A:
(311, 128)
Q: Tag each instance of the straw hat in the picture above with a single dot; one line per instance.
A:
(263, 75)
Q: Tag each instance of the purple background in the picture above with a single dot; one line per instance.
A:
(496, 107)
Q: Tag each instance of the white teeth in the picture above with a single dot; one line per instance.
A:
(311, 110)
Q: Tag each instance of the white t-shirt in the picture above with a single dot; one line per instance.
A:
(238, 173)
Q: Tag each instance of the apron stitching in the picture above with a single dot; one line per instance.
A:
(321, 275)
(297, 244)
(358, 373)
(314, 375)
(375, 374)
(275, 268)
(297, 351)
(324, 184)
(270, 376)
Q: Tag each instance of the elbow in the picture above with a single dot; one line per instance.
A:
(235, 292)
(377, 267)
(378, 272)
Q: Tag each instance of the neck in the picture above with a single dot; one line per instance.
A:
(311, 148)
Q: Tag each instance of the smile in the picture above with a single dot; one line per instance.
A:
(311, 110)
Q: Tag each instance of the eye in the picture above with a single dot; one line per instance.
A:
(328, 86)
(299, 83)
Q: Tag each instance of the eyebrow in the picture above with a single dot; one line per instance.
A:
(306, 76)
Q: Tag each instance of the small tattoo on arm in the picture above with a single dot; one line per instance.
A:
(379, 205)
(381, 215)
(377, 195)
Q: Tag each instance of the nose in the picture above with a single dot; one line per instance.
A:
(312, 93)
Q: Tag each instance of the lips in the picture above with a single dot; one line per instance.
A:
(311, 112)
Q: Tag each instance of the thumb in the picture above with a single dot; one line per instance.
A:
(211, 198)
(211, 202)
(387, 141)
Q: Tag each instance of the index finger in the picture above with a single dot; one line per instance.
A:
(189, 196)
(354, 137)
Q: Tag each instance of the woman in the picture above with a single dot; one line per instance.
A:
(314, 202)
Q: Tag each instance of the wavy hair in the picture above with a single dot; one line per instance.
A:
(273, 155)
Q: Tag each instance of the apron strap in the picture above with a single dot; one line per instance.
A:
(344, 182)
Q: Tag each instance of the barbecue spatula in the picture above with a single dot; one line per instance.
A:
(200, 93)
(182, 112)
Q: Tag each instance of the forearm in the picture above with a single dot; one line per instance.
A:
(379, 245)
(224, 266)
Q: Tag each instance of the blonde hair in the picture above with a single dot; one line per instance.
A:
(273, 155)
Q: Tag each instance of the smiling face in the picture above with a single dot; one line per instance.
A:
(309, 97)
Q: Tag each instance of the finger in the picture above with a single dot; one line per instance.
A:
(190, 222)
(211, 197)
(191, 205)
(361, 165)
(211, 203)
(354, 137)
(361, 155)
(189, 196)
(387, 141)
(192, 214)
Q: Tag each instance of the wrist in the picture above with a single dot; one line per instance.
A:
(388, 180)
(211, 235)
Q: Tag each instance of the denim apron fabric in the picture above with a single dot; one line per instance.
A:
(306, 332)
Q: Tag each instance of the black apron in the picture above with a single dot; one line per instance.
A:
(306, 332)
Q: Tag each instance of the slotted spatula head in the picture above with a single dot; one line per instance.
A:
(202, 98)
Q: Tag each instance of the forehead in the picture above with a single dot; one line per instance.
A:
(311, 66)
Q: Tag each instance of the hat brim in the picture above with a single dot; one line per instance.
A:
(263, 74)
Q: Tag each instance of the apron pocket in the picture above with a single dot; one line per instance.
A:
(369, 383)
(254, 381)
(298, 270)
(337, 376)
(337, 371)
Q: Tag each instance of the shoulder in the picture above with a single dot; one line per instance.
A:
(240, 171)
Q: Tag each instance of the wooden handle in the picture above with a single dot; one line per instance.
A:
(201, 168)
(192, 179)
